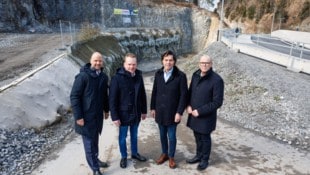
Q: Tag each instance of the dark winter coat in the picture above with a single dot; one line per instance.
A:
(169, 98)
(206, 95)
(127, 97)
(89, 98)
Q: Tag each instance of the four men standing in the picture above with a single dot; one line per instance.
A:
(128, 105)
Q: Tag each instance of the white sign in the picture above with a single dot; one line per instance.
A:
(126, 20)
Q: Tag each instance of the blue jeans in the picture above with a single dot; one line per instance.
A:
(133, 139)
(169, 131)
(91, 151)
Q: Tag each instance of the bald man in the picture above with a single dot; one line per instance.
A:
(206, 93)
(90, 104)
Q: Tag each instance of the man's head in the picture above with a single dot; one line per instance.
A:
(130, 62)
(205, 63)
(168, 60)
(96, 61)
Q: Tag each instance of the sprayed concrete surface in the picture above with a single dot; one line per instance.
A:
(234, 151)
(34, 102)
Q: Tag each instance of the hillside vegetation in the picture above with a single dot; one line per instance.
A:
(257, 16)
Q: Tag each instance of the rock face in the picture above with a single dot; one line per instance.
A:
(27, 14)
(43, 16)
(159, 16)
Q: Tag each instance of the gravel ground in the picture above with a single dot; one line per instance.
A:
(23, 150)
(262, 96)
(23, 52)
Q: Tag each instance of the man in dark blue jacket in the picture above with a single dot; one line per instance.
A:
(169, 99)
(206, 93)
(128, 105)
(89, 101)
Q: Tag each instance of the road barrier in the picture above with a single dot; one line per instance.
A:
(244, 44)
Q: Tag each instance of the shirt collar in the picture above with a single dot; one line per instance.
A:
(169, 71)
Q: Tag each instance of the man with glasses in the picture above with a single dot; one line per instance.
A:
(206, 93)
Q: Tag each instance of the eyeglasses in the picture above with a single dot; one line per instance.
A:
(204, 63)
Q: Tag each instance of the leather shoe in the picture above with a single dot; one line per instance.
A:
(102, 164)
(202, 165)
(97, 173)
(123, 163)
(172, 163)
(139, 157)
(193, 160)
(163, 158)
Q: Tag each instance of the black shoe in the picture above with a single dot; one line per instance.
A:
(102, 164)
(97, 173)
(202, 165)
(139, 157)
(123, 163)
(193, 160)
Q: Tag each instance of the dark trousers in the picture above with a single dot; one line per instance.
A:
(91, 151)
(169, 131)
(203, 145)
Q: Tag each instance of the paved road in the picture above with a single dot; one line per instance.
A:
(235, 151)
(280, 46)
(274, 44)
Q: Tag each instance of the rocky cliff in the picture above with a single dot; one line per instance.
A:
(42, 16)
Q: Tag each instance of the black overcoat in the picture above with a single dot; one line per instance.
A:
(169, 98)
(89, 98)
(206, 95)
(127, 97)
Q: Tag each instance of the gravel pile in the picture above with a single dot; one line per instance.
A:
(23, 150)
(262, 96)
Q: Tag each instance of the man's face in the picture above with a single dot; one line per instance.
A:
(168, 62)
(130, 64)
(96, 61)
(205, 64)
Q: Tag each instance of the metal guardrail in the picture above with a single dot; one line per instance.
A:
(294, 56)
(295, 49)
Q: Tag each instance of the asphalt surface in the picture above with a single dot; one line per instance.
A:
(278, 45)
